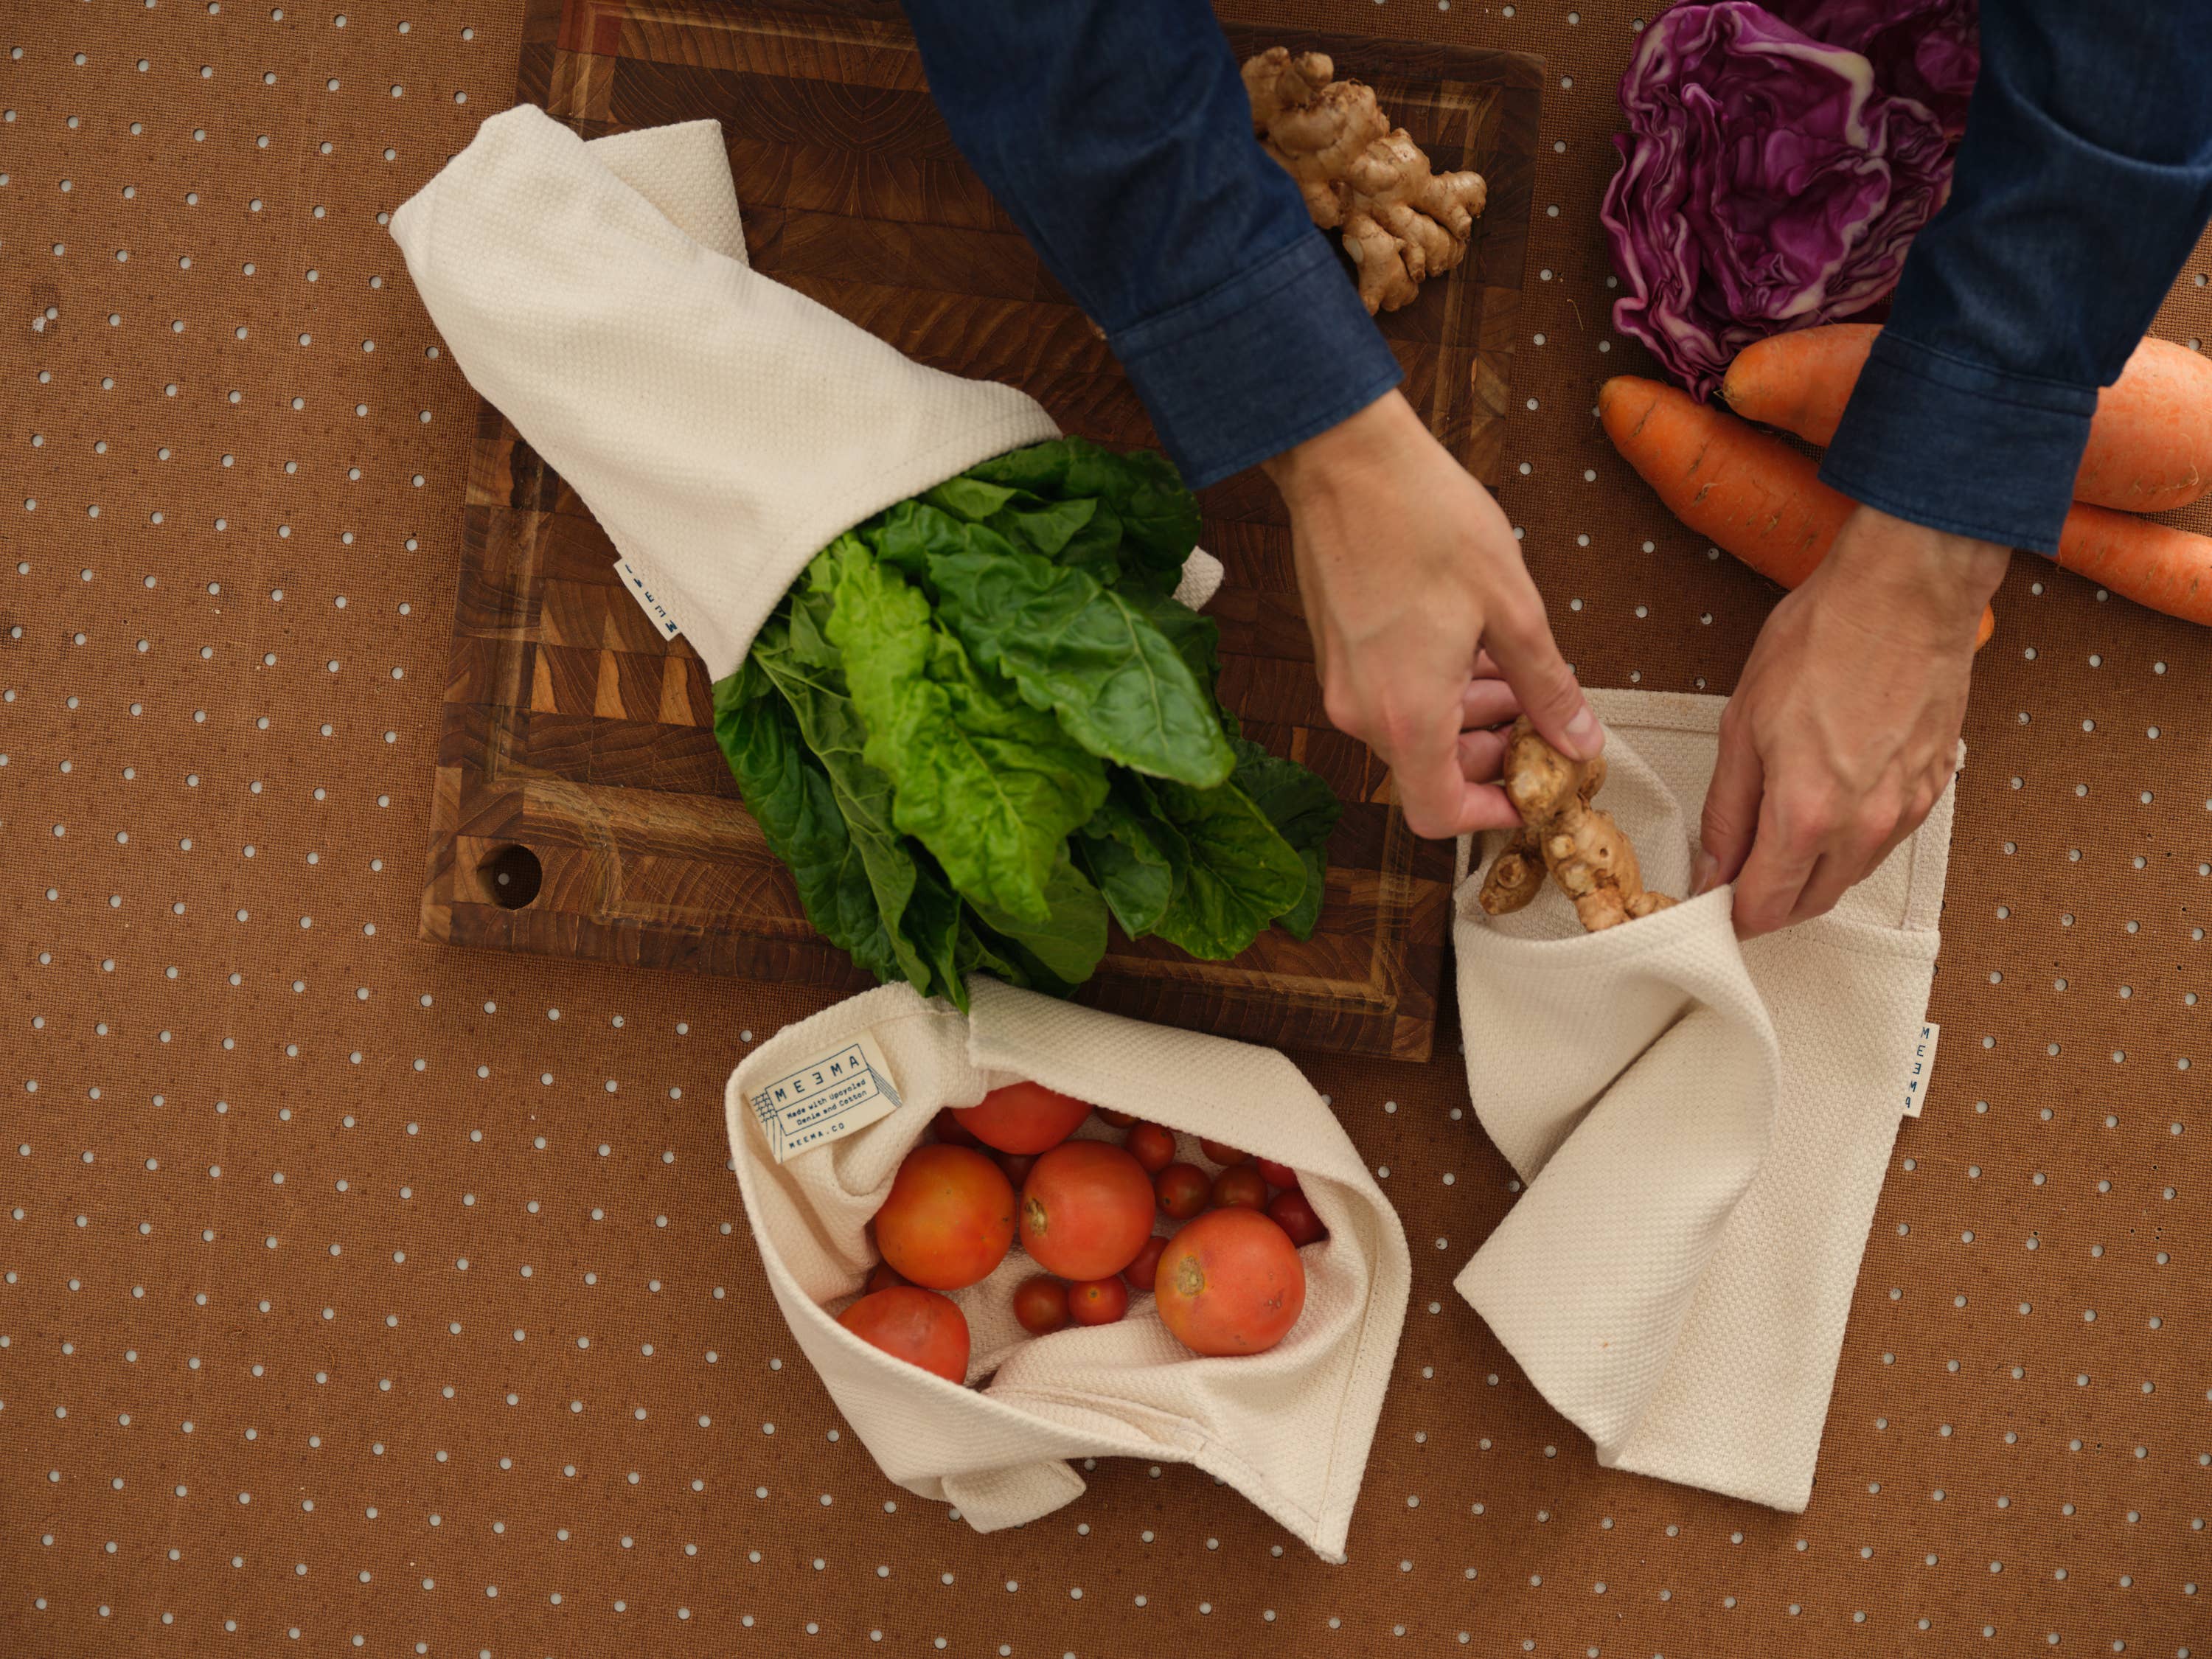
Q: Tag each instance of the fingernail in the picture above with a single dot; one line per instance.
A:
(1582, 733)
(1704, 873)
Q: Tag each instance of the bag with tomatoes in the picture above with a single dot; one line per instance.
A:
(993, 1278)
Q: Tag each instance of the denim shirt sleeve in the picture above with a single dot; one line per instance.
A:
(2084, 178)
(1117, 135)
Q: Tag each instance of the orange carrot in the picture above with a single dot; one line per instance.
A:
(2150, 445)
(1749, 494)
(2153, 564)
(1801, 381)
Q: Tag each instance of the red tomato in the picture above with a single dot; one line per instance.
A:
(1230, 1283)
(1292, 1213)
(1281, 1176)
(918, 1326)
(1119, 1120)
(1182, 1190)
(1221, 1151)
(1041, 1305)
(881, 1277)
(1240, 1187)
(1097, 1301)
(1139, 1273)
(948, 1219)
(1086, 1210)
(1022, 1117)
(950, 1130)
(1017, 1165)
(1151, 1145)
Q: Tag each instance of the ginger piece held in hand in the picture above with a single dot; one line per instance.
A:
(1587, 854)
(1358, 174)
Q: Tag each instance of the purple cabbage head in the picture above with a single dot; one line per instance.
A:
(1767, 186)
(1928, 50)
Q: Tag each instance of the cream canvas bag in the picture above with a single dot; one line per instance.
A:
(1289, 1428)
(723, 427)
(1702, 1125)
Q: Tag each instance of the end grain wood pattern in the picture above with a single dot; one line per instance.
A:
(572, 731)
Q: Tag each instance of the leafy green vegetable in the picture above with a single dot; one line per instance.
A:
(1073, 936)
(989, 785)
(1156, 518)
(1135, 858)
(916, 939)
(1240, 875)
(981, 725)
(787, 791)
(1303, 811)
(1117, 683)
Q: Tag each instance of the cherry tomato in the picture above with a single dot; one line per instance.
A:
(1279, 1176)
(1041, 1305)
(881, 1277)
(1086, 1210)
(950, 1130)
(1230, 1283)
(1139, 1273)
(1022, 1117)
(1182, 1190)
(1017, 1165)
(1119, 1120)
(918, 1326)
(1151, 1145)
(1292, 1213)
(1221, 1151)
(1097, 1301)
(1240, 1187)
(948, 1219)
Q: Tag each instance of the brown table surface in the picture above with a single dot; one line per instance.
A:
(358, 1296)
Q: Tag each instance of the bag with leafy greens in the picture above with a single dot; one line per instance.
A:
(980, 723)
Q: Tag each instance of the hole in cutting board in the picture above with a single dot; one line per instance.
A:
(510, 876)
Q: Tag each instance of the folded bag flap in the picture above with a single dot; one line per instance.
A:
(1290, 1428)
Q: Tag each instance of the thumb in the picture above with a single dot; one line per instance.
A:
(1731, 814)
(1519, 640)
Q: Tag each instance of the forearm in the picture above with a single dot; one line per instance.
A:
(1117, 135)
(2084, 178)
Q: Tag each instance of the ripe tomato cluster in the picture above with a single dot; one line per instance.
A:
(1227, 1282)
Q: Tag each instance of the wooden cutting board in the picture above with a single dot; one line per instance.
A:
(582, 808)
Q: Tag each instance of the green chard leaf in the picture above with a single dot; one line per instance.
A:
(919, 933)
(1241, 874)
(989, 785)
(1136, 859)
(968, 497)
(1117, 684)
(1155, 519)
(1071, 939)
(788, 793)
(1304, 810)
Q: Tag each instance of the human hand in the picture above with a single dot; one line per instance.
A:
(1844, 729)
(1427, 632)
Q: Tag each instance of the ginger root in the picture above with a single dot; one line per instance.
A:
(1358, 174)
(1587, 852)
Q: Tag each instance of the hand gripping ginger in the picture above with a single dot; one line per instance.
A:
(1359, 175)
(1587, 854)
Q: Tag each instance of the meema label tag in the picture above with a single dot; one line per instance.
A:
(846, 1089)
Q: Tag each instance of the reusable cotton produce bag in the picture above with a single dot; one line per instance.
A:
(722, 427)
(1289, 1428)
(1703, 1125)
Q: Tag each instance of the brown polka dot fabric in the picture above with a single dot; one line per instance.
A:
(361, 1296)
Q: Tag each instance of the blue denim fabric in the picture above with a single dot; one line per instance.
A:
(1116, 134)
(2084, 180)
